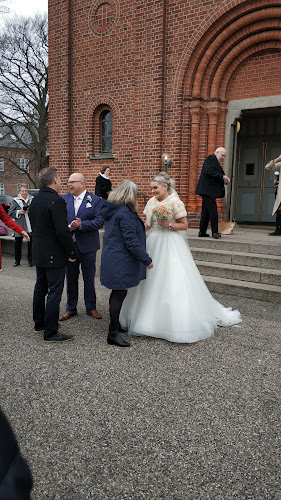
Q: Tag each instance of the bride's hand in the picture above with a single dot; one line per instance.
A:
(163, 223)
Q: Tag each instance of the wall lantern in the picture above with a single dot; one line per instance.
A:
(166, 161)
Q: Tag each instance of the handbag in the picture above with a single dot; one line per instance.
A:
(226, 227)
(3, 231)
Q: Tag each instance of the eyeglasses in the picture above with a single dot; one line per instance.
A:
(72, 182)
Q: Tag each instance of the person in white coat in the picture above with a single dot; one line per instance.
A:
(276, 166)
(19, 212)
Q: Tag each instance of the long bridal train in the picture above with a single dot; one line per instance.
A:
(173, 303)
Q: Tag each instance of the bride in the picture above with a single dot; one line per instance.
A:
(173, 303)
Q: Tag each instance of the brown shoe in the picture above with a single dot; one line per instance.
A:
(94, 314)
(67, 315)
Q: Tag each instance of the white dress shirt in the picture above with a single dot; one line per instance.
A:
(78, 200)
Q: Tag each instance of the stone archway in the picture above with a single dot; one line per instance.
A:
(220, 47)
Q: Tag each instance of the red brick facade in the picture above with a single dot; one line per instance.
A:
(167, 70)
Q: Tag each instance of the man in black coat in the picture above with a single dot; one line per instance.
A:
(52, 246)
(211, 186)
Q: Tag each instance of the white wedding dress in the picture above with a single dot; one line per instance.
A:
(173, 303)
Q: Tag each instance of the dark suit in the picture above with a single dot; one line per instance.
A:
(87, 242)
(52, 246)
(210, 186)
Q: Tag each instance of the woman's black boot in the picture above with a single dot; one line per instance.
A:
(121, 330)
(114, 338)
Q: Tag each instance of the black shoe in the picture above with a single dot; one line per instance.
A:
(114, 338)
(203, 235)
(15, 264)
(277, 232)
(38, 329)
(216, 235)
(58, 337)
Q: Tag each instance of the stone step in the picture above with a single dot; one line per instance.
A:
(240, 273)
(229, 243)
(257, 291)
(238, 258)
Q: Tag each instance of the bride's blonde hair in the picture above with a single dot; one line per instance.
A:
(164, 178)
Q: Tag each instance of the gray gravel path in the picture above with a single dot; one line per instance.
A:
(155, 421)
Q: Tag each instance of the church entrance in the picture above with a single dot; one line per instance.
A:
(258, 142)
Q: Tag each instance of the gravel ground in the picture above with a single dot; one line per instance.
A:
(157, 421)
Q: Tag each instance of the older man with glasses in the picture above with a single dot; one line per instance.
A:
(84, 219)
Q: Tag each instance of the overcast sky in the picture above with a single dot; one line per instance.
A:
(27, 7)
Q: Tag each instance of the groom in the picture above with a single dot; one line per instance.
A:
(84, 221)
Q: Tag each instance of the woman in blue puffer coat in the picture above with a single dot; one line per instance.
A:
(124, 259)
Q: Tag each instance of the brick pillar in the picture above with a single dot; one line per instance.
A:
(212, 129)
(193, 204)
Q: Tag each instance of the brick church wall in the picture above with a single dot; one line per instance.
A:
(255, 78)
(146, 68)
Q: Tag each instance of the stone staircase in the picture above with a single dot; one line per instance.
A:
(246, 263)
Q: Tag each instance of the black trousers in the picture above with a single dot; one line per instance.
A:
(49, 283)
(116, 300)
(18, 246)
(209, 214)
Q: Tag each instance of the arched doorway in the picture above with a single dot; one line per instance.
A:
(258, 141)
(205, 78)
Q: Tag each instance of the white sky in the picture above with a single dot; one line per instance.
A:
(27, 7)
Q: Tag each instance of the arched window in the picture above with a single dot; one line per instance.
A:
(106, 131)
(102, 132)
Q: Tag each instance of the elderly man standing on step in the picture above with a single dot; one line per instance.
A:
(211, 186)
(84, 220)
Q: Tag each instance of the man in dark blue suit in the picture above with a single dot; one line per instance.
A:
(211, 186)
(84, 219)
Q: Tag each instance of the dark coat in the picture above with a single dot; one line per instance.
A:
(124, 258)
(103, 186)
(15, 475)
(211, 181)
(52, 243)
(87, 238)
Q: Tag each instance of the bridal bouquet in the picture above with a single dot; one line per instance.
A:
(162, 212)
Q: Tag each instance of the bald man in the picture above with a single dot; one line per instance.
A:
(84, 221)
(211, 186)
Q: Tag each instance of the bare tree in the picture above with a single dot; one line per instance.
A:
(24, 87)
